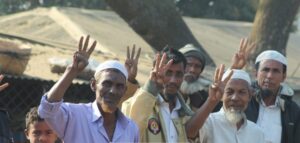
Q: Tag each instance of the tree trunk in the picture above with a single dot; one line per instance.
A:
(157, 22)
(272, 26)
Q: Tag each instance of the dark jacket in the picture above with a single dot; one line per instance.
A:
(5, 133)
(290, 117)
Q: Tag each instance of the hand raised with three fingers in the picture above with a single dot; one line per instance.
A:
(239, 59)
(160, 67)
(81, 56)
(216, 90)
(131, 63)
(3, 86)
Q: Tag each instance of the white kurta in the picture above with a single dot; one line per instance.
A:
(217, 129)
(269, 119)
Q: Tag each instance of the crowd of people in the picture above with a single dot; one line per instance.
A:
(176, 104)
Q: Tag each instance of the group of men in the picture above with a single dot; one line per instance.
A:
(176, 104)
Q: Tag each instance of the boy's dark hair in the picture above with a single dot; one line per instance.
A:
(173, 54)
(32, 116)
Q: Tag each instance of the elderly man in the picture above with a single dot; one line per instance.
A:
(271, 107)
(230, 124)
(194, 88)
(157, 107)
(100, 121)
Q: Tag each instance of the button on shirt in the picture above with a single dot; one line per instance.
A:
(217, 129)
(269, 119)
(171, 133)
(83, 123)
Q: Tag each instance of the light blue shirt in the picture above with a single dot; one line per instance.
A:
(83, 123)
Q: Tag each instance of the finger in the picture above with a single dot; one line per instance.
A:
(241, 44)
(86, 43)
(1, 77)
(245, 43)
(92, 48)
(157, 62)
(128, 52)
(163, 60)
(3, 86)
(170, 62)
(236, 56)
(216, 74)
(80, 44)
(221, 71)
(132, 52)
(138, 55)
(228, 77)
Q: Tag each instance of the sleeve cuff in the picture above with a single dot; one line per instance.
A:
(150, 87)
(47, 109)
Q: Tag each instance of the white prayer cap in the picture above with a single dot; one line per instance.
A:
(271, 55)
(112, 64)
(238, 74)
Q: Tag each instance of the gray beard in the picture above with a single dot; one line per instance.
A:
(190, 88)
(234, 116)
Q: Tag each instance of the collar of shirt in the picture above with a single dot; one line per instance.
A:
(276, 104)
(164, 103)
(96, 115)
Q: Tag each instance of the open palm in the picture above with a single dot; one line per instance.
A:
(131, 63)
(216, 90)
(81, 56)
(239, 60)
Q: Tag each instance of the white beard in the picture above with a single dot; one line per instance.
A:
(234, 116)
(190, 88)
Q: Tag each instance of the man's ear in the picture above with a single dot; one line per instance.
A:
(254, 72)
(26, 133)
(93, 84)
(284, 77)
(251, 92)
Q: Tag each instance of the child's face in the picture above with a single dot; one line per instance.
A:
(40, 132)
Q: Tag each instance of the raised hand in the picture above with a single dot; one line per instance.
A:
(3, 86)
(81, 56)
(240, 58)
(216, 90)
(131, 63)
(159, 68)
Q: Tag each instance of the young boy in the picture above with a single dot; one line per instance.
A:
(37, 130)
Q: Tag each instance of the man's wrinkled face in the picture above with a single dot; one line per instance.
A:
(236, 97)
(173, 78)
(40, 132)
(270, 75)
(110, 88)
(193, 69)
(236, 94)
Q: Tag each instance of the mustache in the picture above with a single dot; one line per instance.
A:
(189, 75)
(172, 84)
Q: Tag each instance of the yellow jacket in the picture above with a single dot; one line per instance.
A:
(131, 89)
(144, 110)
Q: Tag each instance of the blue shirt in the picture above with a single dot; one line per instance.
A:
(83, 123)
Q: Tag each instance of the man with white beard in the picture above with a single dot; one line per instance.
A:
(194, 87)
(230, 124)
